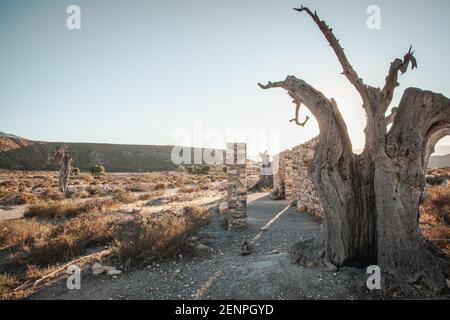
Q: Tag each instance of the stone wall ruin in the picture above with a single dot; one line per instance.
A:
(236, 185)
(292, 175)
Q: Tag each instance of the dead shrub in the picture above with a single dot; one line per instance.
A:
(18, 198)
(435, 216)
(67, 209)
(161, 234)
(70, 239)
(52, 194)
(8, 283)
(189, 189)
(123, 196)
(140, 187)
(159, 186)
(93, 190)
(150, 195)
(21, 232)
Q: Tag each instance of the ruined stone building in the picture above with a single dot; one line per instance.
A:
(291, 168)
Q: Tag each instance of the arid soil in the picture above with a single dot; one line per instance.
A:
(153, 228)
(221, 272)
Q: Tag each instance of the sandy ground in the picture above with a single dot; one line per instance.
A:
(222, 272)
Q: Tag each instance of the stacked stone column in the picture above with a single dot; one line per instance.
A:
(236, 185)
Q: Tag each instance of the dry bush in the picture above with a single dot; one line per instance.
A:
(52, 194)
(18, 198)
(144, 238)
(189, 189)
(67, 209)
(435, 216)
(80, 195)
(8, 283)
(123, 196)
(93, 190)
(40, 247)
(159, 186)
(150, 195)
(146, 187)
(21, 232)
(3, 192)
(71, 239)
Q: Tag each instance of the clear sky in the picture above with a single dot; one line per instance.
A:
(139, 71)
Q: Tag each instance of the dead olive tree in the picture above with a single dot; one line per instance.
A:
(64, 163)
(371, 200)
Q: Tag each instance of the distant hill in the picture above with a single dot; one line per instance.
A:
(8, 135)
(439, 161)
(22, 154)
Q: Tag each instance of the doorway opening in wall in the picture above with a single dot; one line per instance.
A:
(434, 210)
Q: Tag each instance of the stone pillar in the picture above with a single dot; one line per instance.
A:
(236, 185)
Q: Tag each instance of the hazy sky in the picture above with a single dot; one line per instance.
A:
(140, 71)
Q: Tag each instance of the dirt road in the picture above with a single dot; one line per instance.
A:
(222, 272)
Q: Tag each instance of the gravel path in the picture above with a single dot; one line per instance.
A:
(222, 273)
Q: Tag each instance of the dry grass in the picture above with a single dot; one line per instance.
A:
(160, 234)
(435, 214)
(18, 198)
(67, 209)
(57, 230)
(189, 189)
(39, 248)
(71, 239)
(21, 232)
(8, 283)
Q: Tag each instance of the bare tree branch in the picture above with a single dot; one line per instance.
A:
(348, 71)
(390, 118)
(391, 80)
(298, 104)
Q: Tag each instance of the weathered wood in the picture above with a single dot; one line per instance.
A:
(65, 166)
(371, 200)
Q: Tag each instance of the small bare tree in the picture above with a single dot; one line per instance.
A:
(64, 162)
(371, 200)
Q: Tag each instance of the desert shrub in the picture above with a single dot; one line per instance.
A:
(52, 194)
(161, 234)
(70, 239)
(67, 209)
(205, 169)
(198, 169)
(140, 187)
(123, 196)
(21, 232)
(181, 168)
(97, 170)
(193, 169)
(160, 186)
(150, 195)
(436, 180)
(75, 171)
(8, 283)
(189, 189)
(435, 216)
(203, 186)
(18, 198)
(93, 190)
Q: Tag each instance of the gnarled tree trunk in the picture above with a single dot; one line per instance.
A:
(371, 200)
(64, 163)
